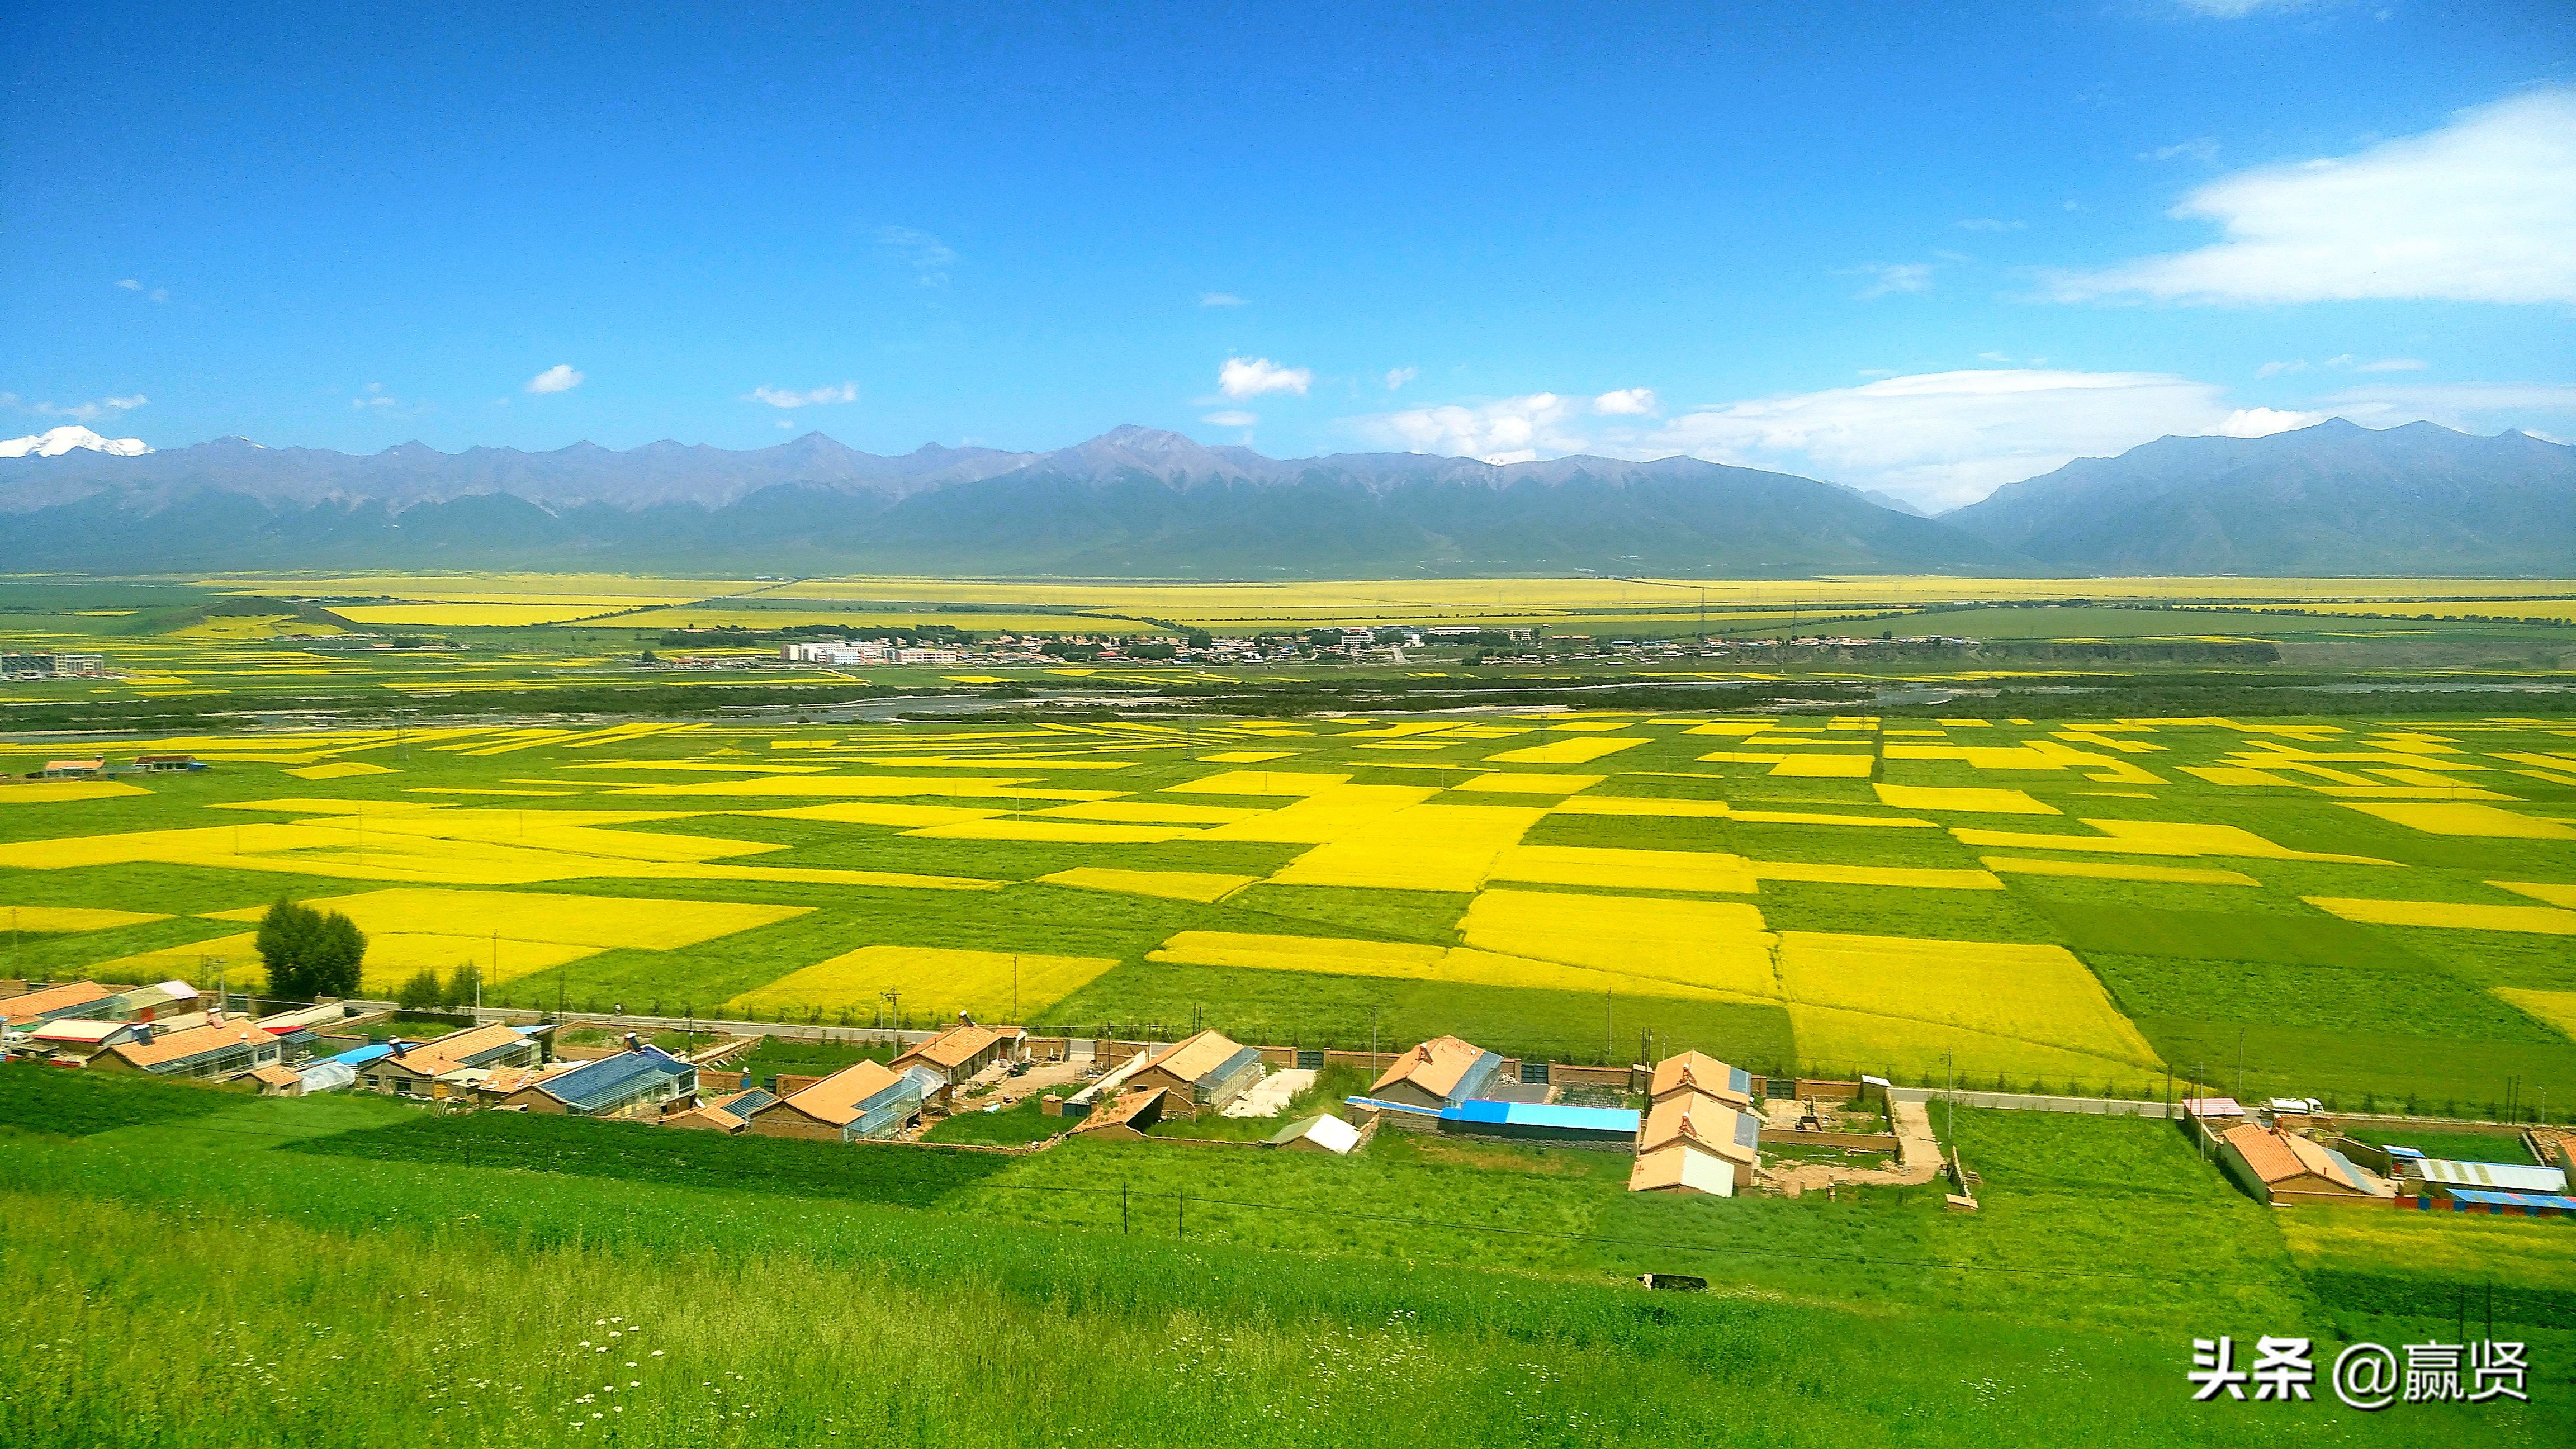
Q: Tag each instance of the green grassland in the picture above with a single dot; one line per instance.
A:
(235, 1270)
(779, 816)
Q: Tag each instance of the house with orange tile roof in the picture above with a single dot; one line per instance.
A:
(2268, 1163)
(72, 998)
(214, 1052)
(1203, 1073)
(961, 1051)
(1441, 1072)
(1702, 1074)
(412, 1069)
(860, 1101)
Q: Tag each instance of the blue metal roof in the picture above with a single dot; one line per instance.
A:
(2515, 1199)
(1533, 1114)
(364, 1055)
(613, 1080)
(2406, 1152)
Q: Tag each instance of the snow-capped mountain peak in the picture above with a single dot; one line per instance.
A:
(54, 442)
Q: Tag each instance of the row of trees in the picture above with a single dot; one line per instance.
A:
(310, 954)
(425, 992)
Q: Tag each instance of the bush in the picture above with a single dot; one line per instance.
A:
(422, 992)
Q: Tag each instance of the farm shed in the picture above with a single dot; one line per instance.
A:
(275, 1081)
(961, 1051)
(168, 762)
(1707, 1126)
(2435, 1174)
(640, 1077)
(1441, 1072)
(72, 769)
(729, 1114)
(863, 1100)
(1203, 1073)
(1533, 1122)
(1135, 1111)
(70, 999)
(1321, 1133)
(2271, 1165)
(77, 1039)
(1697, 1072)
(225, 1049)
(408, 1069)
(1682, 1168)
(2500, 1204)
(154, 1003)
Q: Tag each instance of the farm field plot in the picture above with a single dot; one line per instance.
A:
(2083, 903)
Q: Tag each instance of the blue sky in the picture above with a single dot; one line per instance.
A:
(1927, 248)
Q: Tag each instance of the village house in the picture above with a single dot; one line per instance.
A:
(729, 1114)
(1695, 1072)
(641, 1077)
(1203, 1073)
(1441, 1072)
(73, 998)
(411, 1069)
(214, 1052)
(1131, 1115)
(1698, 1126)
(957, 1054)
(75, 1039)
(863, 1100)
(2270, 1164)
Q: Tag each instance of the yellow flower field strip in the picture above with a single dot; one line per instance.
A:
(1021, 827)
(996, 762)
(1330, 815)
(1641, 805)
(2156, 837)
(470, 790)
(1982, 800)
(2557, 893)
(461, 616)
(2485, 821)
(2558, 1008)
(1502, 782)
(1909, 877)
(2111, 870)
(1712, 945)
(393, 957)
(46, 792)
(1835, 1040)
(1242, 757)
(1150, 812)
(66, 920)
(1424, 848)
(743, 766)
(1653, 870)
(1808, 817)
(1825, 767)
(1204, 887)
(1566, 752)
(888, 787)
(2032, 993)
(600, 922)
(1261, 782)
(2540, 920)
(320, 805)
(1461, 965)
(987, 984)
(879, 812)
(339, 770)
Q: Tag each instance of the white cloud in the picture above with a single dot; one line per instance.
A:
(811, 397)
(80, 412)
(1899, 277)
(2472, 407)
(1397, 377)
(1219, 299)
(374, 397)
(157, 294)
(2390, 364)
(131, 285)
(1232, 418)
(1634, 402)
(2264, 422)
(2238, 9)
(1243, 377)
(1987, 223)
(1992, 357)
(1514, 430)
(2482, 210)
(2203, 149)
(2275, 369)
(559, 378)
(928, 256)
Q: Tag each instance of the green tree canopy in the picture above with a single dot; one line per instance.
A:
(310, 953)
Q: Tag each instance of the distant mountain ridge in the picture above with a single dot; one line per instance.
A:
(2335, 498)
(2332, 499)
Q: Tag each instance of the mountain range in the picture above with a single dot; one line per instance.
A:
(1136, 502)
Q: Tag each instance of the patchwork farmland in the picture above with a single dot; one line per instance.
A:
(2374, 910)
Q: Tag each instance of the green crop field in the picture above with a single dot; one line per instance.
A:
(690, 1289)
(2378, 912)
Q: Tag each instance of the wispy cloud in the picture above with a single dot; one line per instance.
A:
(1889, 279)
(1219, 299)
(2203, 149)
(562, 377)
(1232, 418)
(157, 294)
(929, 258)
(1397, 377)
(1243, 377)
(810, 397)
(79, 412)
(2237, 9)
(2482, 210)
(375, 397)
(1987, 223)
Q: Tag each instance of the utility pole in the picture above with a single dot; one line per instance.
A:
(1610, 1022)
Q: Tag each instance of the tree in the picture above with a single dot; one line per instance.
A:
(339, 957)
(422, 992)
(466, 985)
(285, 945)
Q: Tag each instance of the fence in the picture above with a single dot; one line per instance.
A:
(2026, 1102)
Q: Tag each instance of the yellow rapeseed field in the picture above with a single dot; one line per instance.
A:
(1716, 945)
(992, 985)
(1424, 848)
(1643, 806)
(599, 922)
(1204, 887)
(2542, 920)
(2466, 819)
(44, 792)
(65, 920)
(1908, 877)
(2557, 894)
(1151, 812)
(1503, 782)
(1652, 870)
(2113, 870)
(2003, 991)
(2558, 1008)
(1330, 814)
(1824, 767)
(1566, 752)
(338, 770)
(1460, 965)
(1984, 801)
(1262, 782)
(1020, 827)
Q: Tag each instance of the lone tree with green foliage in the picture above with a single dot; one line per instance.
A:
(465, 988)
(310, 953)
(422, 992)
